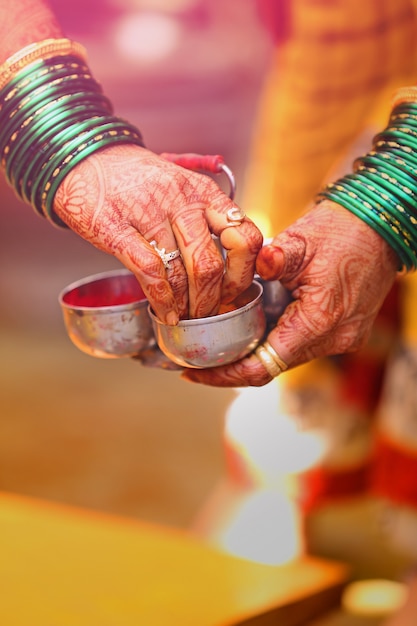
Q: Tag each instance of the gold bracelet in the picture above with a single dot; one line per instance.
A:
(404, 94)
(36, 51)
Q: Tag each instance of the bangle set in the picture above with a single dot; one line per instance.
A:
(382, 189)
(53, 114)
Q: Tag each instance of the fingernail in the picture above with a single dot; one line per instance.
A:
(269, 261)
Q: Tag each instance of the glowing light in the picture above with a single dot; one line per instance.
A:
(263, 222)
(161, 5)
(258, 518)
(374, 598)
(265, 529)
(147, 37)
(270, 441)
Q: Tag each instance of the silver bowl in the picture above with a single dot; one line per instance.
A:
(106, 315)
(276, 298)
(217, 340)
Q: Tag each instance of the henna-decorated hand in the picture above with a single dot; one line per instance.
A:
(339, 271)
(124, 197)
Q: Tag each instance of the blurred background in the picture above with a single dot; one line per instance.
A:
(100, 433)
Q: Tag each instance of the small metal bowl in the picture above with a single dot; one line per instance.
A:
(106, 315)
(275, 299)
(217, 340)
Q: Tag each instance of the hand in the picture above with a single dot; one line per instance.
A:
(339, 271)
(124, 197)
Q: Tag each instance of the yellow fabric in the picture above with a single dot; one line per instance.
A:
(330, 81)
(62, 566)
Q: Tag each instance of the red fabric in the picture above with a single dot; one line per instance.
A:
(364, 371)
(319, 486)
(394, 472)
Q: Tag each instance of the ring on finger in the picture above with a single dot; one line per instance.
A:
(235, 216)
(166, 257)
(267, 361)
(274, 354)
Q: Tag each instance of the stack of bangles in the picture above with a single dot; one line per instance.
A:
(53, 114)
(382, 190)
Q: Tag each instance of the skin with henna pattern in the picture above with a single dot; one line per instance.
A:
(339, 271)
(124, 197)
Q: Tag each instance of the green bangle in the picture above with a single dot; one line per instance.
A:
(85, 132)
(350, 202)
(398, 191)
(402, 129)
(97, 143)
(28, 162)
(384, 217)
(34, 128)
(405, 152)
(398, 136)
(35, 69)
(380, 205)
(402, 118)
(380, 163)
(32, 83)
(29, 106)
(405, 107)
(392, 212)
(59, 83)
(38, 134)
(354, 207)
(59, 147)
(397, 163)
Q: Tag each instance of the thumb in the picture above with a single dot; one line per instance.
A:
(283, 258)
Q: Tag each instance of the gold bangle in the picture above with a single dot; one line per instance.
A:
(36, 51)
(404, 94)
(274, 354)
(267, 361)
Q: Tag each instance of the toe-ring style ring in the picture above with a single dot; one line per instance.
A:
(165, 256)
(235, 216)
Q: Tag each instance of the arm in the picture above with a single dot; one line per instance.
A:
(24, 21)
(117, 195)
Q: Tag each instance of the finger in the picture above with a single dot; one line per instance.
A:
(163, 242)
(202, 259)
(241, 240)
(242, 245)
(177, 278)
(283, 258)
(247, 371)
(140, 258)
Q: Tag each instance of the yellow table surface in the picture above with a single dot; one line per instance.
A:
(63, 566)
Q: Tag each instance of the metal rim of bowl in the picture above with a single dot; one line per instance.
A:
(91, 279)
(197, 321)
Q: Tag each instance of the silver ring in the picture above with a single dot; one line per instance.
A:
(165, 256)
(235, 216)
(267, 361)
